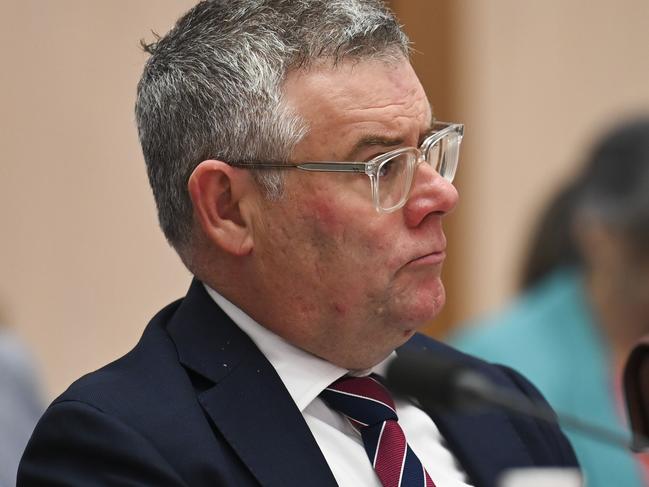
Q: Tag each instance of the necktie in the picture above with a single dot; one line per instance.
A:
(370, 409)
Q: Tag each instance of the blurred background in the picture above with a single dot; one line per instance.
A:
(83, 263)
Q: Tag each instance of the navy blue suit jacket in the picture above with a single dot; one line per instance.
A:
(195, 403)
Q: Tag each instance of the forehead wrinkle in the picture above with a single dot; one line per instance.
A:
(386, 126)
(407, 101)
(405, 105)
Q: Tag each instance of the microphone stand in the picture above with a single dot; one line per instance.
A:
(473, 387)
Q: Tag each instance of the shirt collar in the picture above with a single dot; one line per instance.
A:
(304, 375)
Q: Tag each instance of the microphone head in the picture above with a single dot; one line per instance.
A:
(437, 381)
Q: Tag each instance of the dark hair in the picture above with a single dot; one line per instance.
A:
(212, 87)
(552, 244)
(612, 188)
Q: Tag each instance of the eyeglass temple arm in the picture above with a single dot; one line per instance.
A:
(319, 166)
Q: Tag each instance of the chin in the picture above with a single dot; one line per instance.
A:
(417, 304)
(423, 307)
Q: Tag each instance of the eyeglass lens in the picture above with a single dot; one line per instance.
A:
(443, 155)
(395, 174)
(394, 179)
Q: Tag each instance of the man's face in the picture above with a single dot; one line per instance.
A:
(334, 276)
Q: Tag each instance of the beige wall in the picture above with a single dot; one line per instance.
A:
(83, 263)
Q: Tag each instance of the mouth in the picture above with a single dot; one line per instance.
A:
(434, 258)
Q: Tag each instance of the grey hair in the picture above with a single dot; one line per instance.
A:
(212, 88)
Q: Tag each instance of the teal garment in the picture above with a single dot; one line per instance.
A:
(549, 335)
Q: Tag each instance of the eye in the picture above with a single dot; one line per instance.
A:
(387, 169)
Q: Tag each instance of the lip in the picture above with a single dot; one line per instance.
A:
(433, 258)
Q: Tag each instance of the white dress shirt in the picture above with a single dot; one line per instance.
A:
(306, 376)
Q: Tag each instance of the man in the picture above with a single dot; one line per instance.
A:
(302, 178)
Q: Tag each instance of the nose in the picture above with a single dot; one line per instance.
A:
(430, 194)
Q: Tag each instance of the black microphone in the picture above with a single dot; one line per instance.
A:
(440, 382)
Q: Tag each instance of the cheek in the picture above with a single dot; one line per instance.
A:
(326, 219)
(353, 244)
(349, 236)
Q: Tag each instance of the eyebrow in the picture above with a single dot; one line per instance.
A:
(371, 141)
(380, 141)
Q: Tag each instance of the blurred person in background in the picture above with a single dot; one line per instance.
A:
(585, 299)
(20, 404)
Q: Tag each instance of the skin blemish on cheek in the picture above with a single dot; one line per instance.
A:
(326, 215)
(340, 309)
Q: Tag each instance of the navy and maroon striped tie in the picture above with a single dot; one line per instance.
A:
(370, 409)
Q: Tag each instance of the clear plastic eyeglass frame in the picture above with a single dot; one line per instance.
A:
(444, 136)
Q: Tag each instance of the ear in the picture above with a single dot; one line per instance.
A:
(217, 191)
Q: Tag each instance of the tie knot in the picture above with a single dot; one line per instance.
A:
(364, 400)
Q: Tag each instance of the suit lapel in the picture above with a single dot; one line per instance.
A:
(245, 398)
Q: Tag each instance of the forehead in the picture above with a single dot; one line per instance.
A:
(356, 100)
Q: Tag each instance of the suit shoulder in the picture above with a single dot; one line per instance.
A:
(134, 375)
(77, 444)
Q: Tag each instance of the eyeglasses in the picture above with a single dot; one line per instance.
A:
(391, 174)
